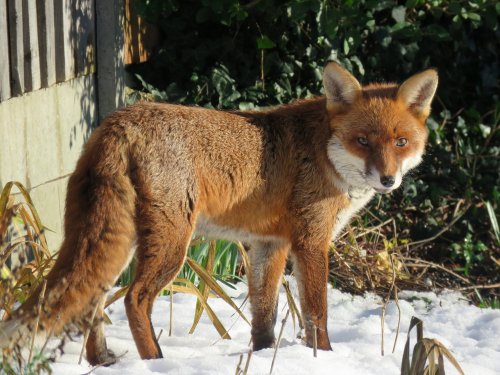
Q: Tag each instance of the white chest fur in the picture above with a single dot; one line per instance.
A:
(358, 198)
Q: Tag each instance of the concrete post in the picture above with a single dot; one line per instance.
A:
(110, 66)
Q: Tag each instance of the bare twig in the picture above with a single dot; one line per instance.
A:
(87, 332)
(171, 321)
(279, 340)
(249, 356)
(421, 262)
(419, 243)
(106, 363)
(238, 367)
(385, 304)
(315, 341)
(44, 183)
(39, 310)
(483, 286)
(159, 335)
(396, 301)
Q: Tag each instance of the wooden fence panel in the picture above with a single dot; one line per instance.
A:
(43, 42)
(83, 36)
(15, 20)
(141, 38)
(47, 42)
(31, 56)
(4, 47)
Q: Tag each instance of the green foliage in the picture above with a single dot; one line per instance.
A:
(225, 265)
(488, 303)
(39, 364)
(245, 54)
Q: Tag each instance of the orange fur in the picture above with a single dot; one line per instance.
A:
(281, 180)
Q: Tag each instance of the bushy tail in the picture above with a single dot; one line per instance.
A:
(99, 230)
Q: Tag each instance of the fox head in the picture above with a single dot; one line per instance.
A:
(378, 131)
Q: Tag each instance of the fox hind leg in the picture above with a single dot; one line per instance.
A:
(96, 348)
(162, 246)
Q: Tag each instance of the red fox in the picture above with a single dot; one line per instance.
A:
(284, 180)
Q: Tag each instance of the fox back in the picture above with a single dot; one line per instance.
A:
(285, 181)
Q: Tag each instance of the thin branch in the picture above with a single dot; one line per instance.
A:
(87, 332)
(106, 363)
(249, 356)
(315, 341)
(238, 367)
(171, 319)
(44, 183)
(39, 311)
(419, 243)
(279, 340)
(421, 262)
(483, 286)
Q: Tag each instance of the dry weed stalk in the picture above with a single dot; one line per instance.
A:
(247, 363)
(315, 341)
(171, 318)
(87, 332)
(238, 366)
(37, 322)
(392, 290)
(283, 322)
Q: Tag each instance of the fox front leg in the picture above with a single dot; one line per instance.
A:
(311, 271)
(267, 263)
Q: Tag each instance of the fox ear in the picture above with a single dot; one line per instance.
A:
(341, 88)
(418, 90)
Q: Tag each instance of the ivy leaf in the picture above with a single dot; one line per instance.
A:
(398, 14)
(412, 3)
(264, 42)
(438, 32)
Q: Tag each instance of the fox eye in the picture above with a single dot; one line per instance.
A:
(363, 141)
(401, 142)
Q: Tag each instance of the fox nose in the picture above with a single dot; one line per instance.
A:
(387, 181)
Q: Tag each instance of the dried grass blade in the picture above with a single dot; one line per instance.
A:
(210, 313)
(204, 289)
(449, 356)
(405, 362)
(418, 359)
(33, 210)
(4, 197)
(291, 303)
(210, 281)
(493, 220)
(36, 225)
(116, 296)
(244, 257)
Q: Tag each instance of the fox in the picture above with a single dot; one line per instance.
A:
(284, 180)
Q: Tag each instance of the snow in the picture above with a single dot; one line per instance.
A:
(472, 335)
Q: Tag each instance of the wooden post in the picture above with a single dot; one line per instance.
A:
(31, 55)
(15, 15)
(47, 42)
(110, 67)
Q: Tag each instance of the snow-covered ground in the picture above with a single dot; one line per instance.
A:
(472, 335)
